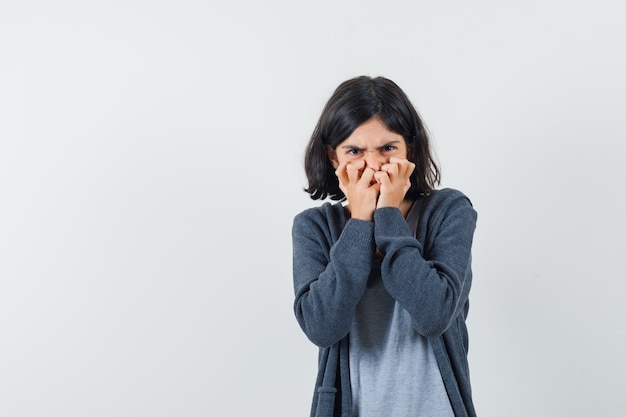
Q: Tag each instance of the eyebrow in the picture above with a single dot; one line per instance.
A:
(395, 142)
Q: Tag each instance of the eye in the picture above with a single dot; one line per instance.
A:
(353, 151)
(389, 148)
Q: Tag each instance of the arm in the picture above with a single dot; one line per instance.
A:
(329, 280)
(433, 287)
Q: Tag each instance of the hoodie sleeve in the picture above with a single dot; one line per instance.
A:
(329, 278)
(433, 284)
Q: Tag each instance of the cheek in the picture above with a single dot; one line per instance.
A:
(347, 158)
(339, 159)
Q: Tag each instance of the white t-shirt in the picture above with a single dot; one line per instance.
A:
(393, 369)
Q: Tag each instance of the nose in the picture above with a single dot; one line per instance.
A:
(374, 160)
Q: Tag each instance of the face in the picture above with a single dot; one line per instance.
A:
(372, 142)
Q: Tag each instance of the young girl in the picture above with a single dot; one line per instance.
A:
(382, 282)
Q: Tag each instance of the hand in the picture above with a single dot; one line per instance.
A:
(358, 185)
(394, 178)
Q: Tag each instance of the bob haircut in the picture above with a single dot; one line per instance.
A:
(354, 102)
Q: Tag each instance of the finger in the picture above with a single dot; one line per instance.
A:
(368, 176)
(342, 177)
(382, 178)
(407, 186)
(341, 172)
(392, 169)
(408, 167)
(400, 161)
(396, 160)
(411, 168)
(354, 170)
(405, 167)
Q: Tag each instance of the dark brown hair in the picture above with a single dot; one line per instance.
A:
(354, 102)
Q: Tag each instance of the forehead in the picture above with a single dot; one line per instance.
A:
(372, 132)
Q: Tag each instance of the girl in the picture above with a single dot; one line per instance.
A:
(382, 281)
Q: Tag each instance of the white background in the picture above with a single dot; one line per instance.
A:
(151, 165)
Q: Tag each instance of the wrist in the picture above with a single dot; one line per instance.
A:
(383, 202)
(368, 217)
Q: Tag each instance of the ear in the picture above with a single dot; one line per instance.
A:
(332, 156)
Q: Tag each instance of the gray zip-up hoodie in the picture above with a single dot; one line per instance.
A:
(426, 268)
